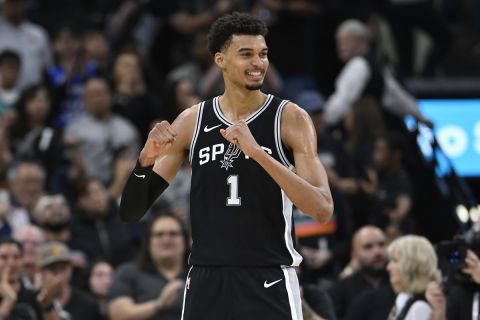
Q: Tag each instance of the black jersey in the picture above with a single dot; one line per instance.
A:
(239, 215)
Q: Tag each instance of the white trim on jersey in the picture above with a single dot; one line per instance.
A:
(253, 116)
(293, 291)
(187, 284)
(278, 135)
(198, 124)
(287, 215)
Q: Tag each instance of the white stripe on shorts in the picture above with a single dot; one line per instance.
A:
(293, 290)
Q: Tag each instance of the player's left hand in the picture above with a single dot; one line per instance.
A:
(240, 135)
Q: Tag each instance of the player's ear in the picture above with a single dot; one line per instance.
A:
(219, 59)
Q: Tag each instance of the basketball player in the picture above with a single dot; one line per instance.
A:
(252, 156)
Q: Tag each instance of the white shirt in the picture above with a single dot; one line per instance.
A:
(420, 310)
(32, 44)
(349, 87)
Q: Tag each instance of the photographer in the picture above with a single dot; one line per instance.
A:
(463, 298)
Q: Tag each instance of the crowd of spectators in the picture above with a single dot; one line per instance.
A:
(81, 84)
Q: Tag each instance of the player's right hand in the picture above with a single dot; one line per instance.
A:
(159, 141)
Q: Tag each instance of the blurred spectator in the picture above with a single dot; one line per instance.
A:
(69, 302)
(151, 288)
(96, 225)
(107, 142)
(17, 301)
(390, 187)
(291, 22)
(463, 297)
(316, 304)
(367, 269)
(32, 137)
(100, 274)
(412, 266)
(405, 17)
(68, 74)
(27, 184)
(26, 38)
(199, 70)
(7, 212)
(363, 76)
(52, 214)
(97, 51)
(9, 72)
(132, 99)
(363, 125)
(31, 238)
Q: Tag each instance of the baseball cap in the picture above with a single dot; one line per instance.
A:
(310, 100)
(53, 252)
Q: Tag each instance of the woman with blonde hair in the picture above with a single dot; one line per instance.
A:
(412, 266)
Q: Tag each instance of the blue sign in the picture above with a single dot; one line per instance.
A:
(457, 129)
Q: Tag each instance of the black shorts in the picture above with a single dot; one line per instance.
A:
(239, 293)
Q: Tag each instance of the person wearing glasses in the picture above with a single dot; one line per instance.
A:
(152, 286)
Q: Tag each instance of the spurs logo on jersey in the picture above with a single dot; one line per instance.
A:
(233, 151)
(233, 198)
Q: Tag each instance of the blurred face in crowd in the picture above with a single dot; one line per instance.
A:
(31, 238)
(166, 240)
(185, 95)
(127, 68)
(54, 218)
(348, 45)
(95, 199)
(393, 271)
(369, 245)
(382, 156)
(14, 10)
(97, 98)
(28, 184)
(61, 271)
(38, 107)
(9, 72)
(66, 44)
(11, 260)
(244, 61)
(100, 279)
(96, 47)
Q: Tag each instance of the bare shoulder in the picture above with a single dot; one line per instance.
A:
(295, 124)
(184, 126)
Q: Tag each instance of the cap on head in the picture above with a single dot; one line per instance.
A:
(53, 252)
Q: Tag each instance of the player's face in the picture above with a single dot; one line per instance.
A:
(392, 268)
(245, 61)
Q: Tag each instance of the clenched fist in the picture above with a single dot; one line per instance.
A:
(239, 134)
(159, 141)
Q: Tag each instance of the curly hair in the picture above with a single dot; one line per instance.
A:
(236, 23)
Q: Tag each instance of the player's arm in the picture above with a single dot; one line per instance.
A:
(159, 162)
(308, 189)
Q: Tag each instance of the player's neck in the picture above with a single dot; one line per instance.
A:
(237, 105)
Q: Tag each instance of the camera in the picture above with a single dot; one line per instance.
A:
(451, 255)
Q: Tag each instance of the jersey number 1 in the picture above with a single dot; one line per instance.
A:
(233, 199)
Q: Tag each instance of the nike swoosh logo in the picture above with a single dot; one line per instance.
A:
(268, 285)
(139, 176)
(207, 129)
